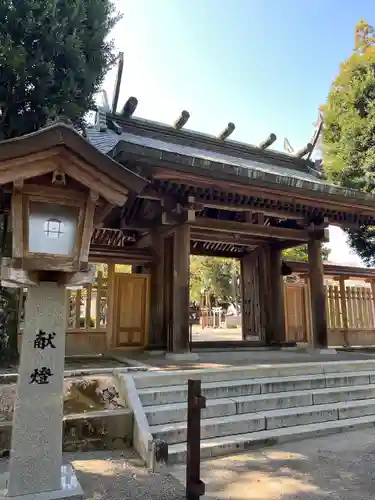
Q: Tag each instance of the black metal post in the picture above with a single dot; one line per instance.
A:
(195, 488)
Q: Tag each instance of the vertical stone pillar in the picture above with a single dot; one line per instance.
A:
(36, 454)
(276, 297)
(318, 302)
(181, 288)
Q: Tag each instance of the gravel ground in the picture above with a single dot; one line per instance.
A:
(338, 467)
(117, 476)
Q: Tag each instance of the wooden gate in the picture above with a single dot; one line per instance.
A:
(297, 319)
(131, 309)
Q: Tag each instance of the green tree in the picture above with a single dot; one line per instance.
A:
(53, 57)
(220, 276)
(349, 129)
(216, 275)
(300, 253)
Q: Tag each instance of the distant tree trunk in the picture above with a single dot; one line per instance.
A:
(9, 302)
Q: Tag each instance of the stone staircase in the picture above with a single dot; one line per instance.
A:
(259, 405)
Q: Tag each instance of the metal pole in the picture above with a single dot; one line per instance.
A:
(195, 488)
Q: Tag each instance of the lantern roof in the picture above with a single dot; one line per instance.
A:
(60, 145)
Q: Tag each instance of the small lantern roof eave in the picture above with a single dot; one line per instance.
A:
(60, 135)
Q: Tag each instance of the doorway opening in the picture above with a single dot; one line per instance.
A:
(215, 299)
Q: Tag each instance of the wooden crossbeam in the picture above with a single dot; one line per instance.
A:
(225, 237)
(248, 229)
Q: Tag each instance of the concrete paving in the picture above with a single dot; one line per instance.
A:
(338, 467)
(216, 334)
(228, 357)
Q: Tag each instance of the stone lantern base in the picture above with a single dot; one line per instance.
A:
(70, 488)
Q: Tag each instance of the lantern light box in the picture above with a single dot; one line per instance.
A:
(52, 232)
(52, 229)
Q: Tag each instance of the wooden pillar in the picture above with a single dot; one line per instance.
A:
(110, 329)
(181, 288)
(276, 297)
(157, 331)
(318, 302)
(372, 284)
(246, 276)
(255, 289)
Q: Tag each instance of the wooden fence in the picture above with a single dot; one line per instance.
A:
(87, 316)
(88, 307)
(350, 314)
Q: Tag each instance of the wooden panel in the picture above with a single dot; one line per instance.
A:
(131, 309)
(295, 313)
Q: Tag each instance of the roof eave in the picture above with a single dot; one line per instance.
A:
(226, 171)
(62, 135)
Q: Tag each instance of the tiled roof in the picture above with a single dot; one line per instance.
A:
(105, 141)
(269, 167)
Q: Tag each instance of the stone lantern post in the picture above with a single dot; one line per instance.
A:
(60, 188)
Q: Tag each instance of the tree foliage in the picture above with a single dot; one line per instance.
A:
(300, 253)
(53, 58)
(349, 129)
(221, 276)
(216, 275)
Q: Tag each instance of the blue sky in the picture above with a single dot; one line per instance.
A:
(266, 65)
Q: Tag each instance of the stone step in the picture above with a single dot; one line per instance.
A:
(222, 407)
(227, 445)
(151, 379)
(177, 412)
(268, 420)
(211, 427)
(234, 388)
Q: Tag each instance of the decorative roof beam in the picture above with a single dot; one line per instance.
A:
(130, 107)
(182, 120)
(229, 129)
(234, 252)
(198, 234)
(268, 142)
(105, 104)
(116, 94)
(304, 151)
(101, 120)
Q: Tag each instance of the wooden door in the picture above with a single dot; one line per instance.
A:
(296, 312)
(131, 310)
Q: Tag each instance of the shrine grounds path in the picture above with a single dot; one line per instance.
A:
(119, 475)
(338, 467)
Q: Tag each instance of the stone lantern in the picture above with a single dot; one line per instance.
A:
(61, 187)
